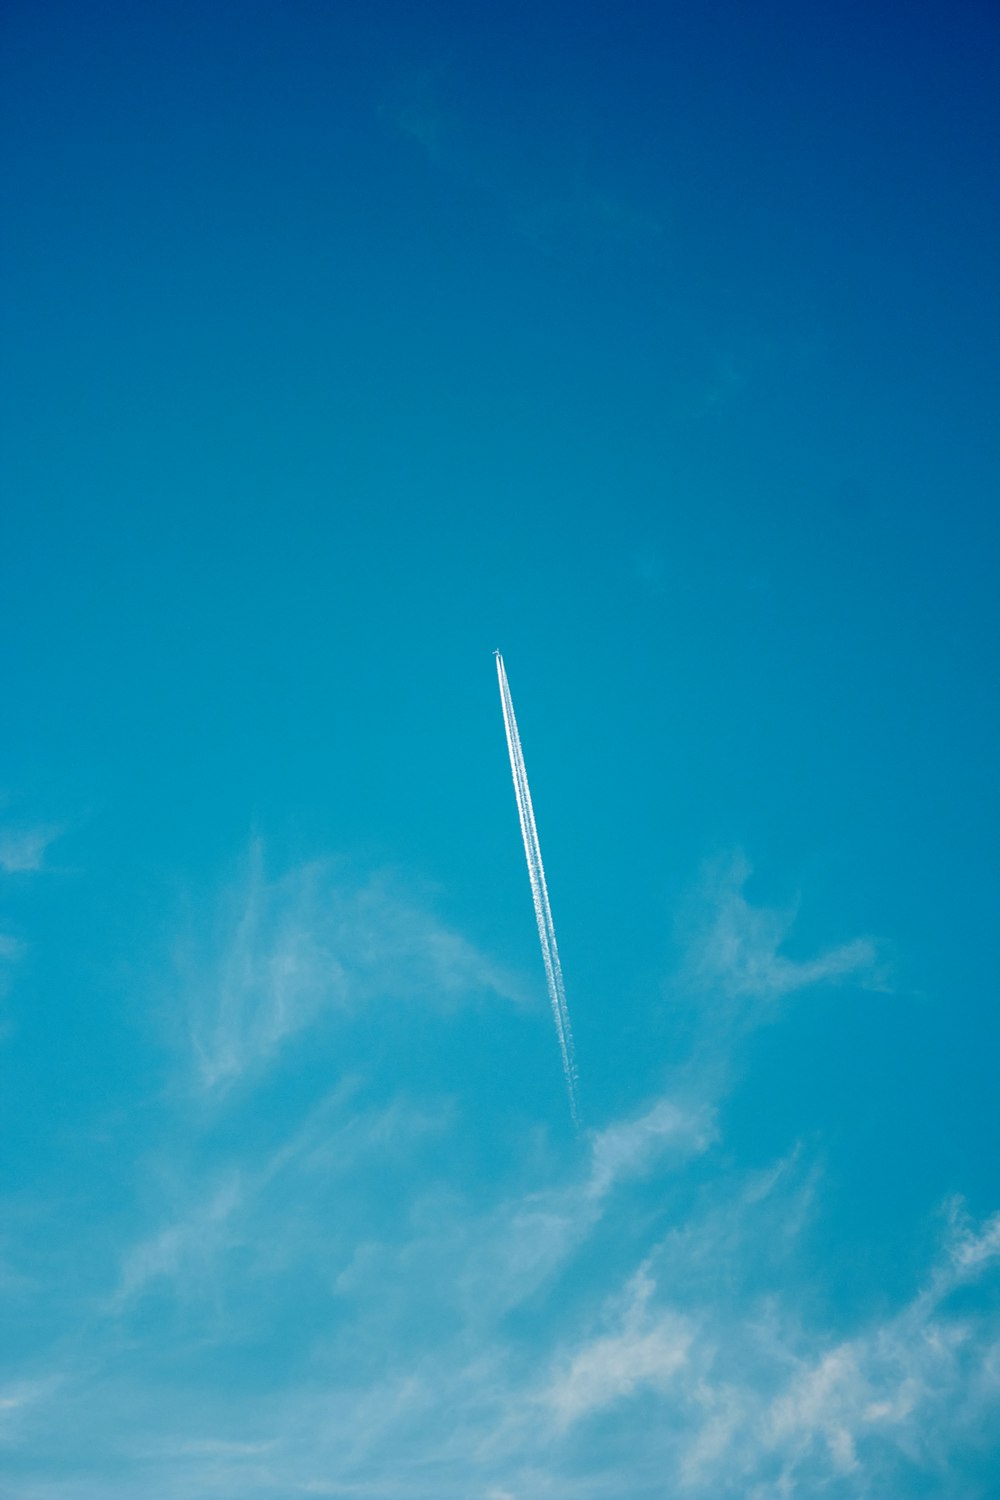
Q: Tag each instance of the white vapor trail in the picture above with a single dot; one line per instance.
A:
(539, 891)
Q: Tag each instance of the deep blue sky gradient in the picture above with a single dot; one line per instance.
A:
(343, 343)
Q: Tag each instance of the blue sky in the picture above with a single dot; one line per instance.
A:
(655, 345)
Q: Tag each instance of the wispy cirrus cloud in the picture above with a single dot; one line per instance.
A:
(704, 1373)
(11, 950)
(286, 950)
(223, 1211)
(488, 1263)
(753, 1399)
(734, 948)
(630, 1312)
(186, 1248)
(22, 850)
(629, 1147)
(20, 1401)
(648, 1350)
(10, 947)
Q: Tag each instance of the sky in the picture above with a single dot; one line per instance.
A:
(656, 346)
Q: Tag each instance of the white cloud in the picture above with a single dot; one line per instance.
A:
(638, 1316)
(629, 1147)
(188, 1246)
(311, 942)
(226, 1448)
(821, 1403)
(11, 949)
(492, 1263)
(703, 1376)
(755, 1400)
(735, 949)
(22, 850)
(649, 1350)
(20, 1398)
(186, 1253)
(970, 1249)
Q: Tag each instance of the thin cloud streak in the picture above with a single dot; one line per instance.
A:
(746, 1389)
(187, 1250)
(642, 1314)
(721, 1384)
(649, 1350)
(311, 943)
(734, 950)
(22, 850)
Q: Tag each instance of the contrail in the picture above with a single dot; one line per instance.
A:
(539, 890)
